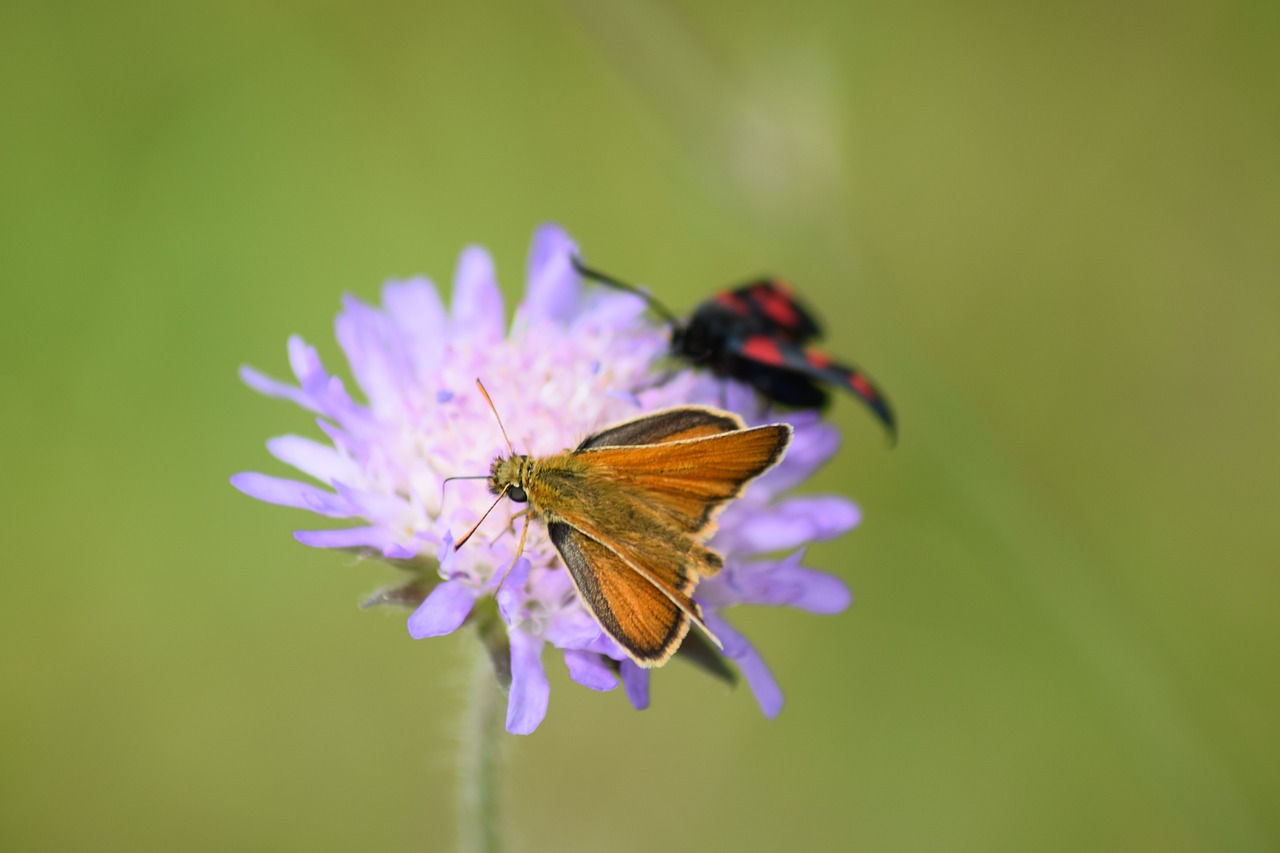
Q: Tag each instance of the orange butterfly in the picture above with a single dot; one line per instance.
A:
(630, 510)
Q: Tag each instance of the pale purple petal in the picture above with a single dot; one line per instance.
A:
(311, 457)
(778, 584)
(812, 444)
(264, 384)
(571, 629)
(350, 537)
(415, 308)
(530, 691)
(274, 490)
(306, 365)
(511, 596)
(635, 681)
(443, 611)
(383, 508)
(477, 302)
(589, 670)
(754, 670)
(553, 285)
(609, 309)
(789, 524)
(741, 397)
(376, 354)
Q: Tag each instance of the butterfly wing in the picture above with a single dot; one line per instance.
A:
(648, 621)
(668, 425)
(792, 374)
(628, 511)
(687, 480)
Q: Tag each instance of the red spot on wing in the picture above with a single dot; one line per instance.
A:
(818, 358)
(763, 349)
(859, 383)
(732, 301)
(777, 307)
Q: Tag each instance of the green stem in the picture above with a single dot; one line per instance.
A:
(479, 818)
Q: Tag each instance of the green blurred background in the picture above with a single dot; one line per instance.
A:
(1049, 230)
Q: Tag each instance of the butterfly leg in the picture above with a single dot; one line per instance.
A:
(511, 524)
(519, 550)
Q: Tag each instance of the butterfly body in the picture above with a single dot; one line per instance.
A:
(630, 509)
(760, 334)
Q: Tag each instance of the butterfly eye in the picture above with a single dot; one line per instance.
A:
(516, 493)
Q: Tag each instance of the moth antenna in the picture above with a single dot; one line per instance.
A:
(467, 535)
(610, 281)
(494, 409)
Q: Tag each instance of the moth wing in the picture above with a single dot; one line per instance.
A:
(787, 372)
(643, 618)
(775, 310)
(677, 424)
(688, 480)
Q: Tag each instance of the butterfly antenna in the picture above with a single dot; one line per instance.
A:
(446, 480)
(494, 409)
(474, 527)
(610, 281)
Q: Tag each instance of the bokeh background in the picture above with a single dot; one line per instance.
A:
(1050, 230)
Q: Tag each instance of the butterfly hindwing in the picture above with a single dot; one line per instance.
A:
(646, 621)
(668, 425)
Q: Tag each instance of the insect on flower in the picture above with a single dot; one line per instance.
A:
(760, 334)
(630, 510)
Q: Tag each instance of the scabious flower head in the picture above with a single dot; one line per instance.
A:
(573, 361)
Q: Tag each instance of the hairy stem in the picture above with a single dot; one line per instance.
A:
(479, 817)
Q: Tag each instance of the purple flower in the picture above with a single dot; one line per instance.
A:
(570, 365)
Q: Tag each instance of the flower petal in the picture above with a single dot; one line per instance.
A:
(788, 524)
(304, 361)
(385, 509)
(264, 384)
(553, 285)
(603, 308)
(779, 584)
(477, 302)
(311, 458)
(350, 537)
(812, 444)
(274, 490)
(511, 596)
(754, 670)
(530, 691)
(415, 309)
(589, 670)
(443, 611)
(376, 354)
(635, 680)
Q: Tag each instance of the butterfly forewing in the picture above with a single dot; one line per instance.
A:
(688, 480)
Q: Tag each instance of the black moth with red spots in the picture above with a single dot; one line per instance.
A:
(759, 334)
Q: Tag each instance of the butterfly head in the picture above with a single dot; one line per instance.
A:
(510, 475)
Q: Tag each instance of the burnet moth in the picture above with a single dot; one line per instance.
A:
(760, 334)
